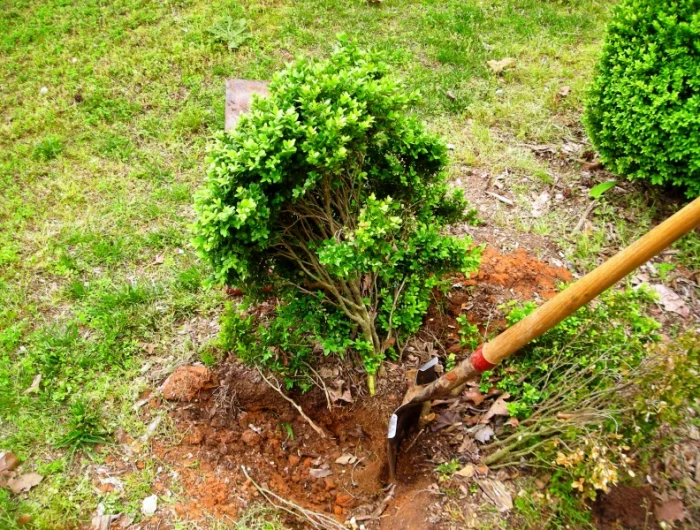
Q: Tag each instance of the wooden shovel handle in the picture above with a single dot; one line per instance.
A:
(564, 304)
(584, 290)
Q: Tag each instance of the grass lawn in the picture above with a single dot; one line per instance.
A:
(106, 110)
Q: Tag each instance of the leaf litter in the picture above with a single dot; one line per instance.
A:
(499, 66)
(24, 483)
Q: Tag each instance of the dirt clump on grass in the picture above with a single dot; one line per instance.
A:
(186, 382)
(501, 278)
(522, 275)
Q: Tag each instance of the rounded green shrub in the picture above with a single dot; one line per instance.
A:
(332, 194)
(643, 111)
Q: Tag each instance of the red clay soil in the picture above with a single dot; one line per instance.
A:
(525, 276)
(625, 508)
(247, 423)
(500, 279)
(244, 422)
(186, 382)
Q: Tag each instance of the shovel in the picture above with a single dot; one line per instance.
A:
(428, 386)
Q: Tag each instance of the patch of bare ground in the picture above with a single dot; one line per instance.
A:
(245, 422)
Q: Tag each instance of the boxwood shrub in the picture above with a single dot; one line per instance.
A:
(643, 110)
(332, 196)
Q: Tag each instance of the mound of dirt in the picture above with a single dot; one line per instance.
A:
(245, 422)
(500, 279)
(187, 382)
(524, 276)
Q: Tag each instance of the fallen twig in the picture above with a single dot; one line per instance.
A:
(315, 427)
(585, 215)
(317, 520)
(379, 510)
(501, 198)
(352, 472)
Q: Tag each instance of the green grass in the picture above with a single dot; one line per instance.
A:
(97, 173)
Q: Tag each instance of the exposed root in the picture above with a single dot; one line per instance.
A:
(276, 387)
(316, 519)
(318, 381)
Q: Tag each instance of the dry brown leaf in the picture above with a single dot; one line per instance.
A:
(149, 506)
(467, 471)
(24, 482)
(346, 459)
(671, 301)
(496, 491)
(446, 419)
(498, 408)
(541, 204)
(328, 373)
(565, 91)
(8, 461)
(483, 434)
(468, 446)
(320, 473)
(35, 385)
(670, 510)
(498, 66)
(474, 396)
(159, 259)
(337, 393)
(513, 422)
(103, 522)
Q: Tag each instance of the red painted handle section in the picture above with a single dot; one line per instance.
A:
(479, 362)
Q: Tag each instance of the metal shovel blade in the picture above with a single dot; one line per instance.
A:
(406, 417)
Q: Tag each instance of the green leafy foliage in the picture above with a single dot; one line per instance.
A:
(642, 415)
(598, 190)
(333, 195)
(643, 111)
(606, 337)
(48, 148)
(469, 336)
(667, 390)
(285, 342)
(447, 469)
(85, 427)
(231, 32)
(593, 396)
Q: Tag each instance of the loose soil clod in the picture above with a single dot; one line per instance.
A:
(187, 382)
